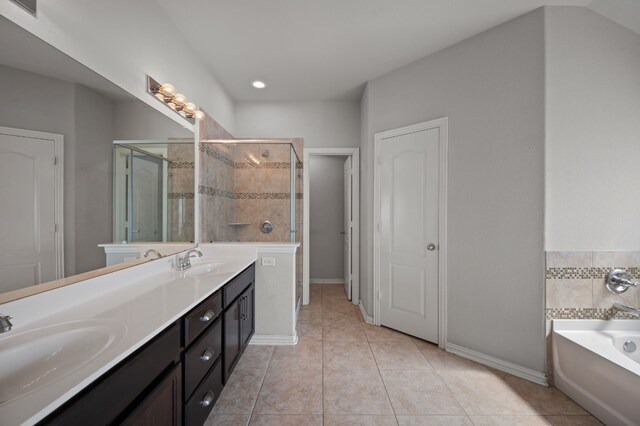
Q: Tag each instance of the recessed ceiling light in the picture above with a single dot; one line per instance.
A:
(259, 84)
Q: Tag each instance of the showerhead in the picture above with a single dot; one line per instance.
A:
(265, 153)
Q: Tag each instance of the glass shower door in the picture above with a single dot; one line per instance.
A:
(146, 197)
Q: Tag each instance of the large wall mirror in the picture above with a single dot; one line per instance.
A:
(83, 164)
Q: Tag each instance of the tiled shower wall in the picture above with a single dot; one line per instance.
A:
(181, 195)
(575, 287)
(241, 188)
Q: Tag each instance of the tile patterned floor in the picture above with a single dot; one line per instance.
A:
(346, 372)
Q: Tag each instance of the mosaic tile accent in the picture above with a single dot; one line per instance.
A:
(586, 273)
(266, 165)
(214, 153)
(587, 313)
(182, 165)
(215, 192)
(262, 165)
(181, 196)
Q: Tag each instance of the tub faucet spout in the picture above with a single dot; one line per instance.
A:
(626, 308)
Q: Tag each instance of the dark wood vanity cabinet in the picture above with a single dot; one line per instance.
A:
(178, 376)
(239, 319)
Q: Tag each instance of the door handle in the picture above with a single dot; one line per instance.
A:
(343, 233)
(431, 247)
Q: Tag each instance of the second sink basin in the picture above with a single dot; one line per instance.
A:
(35, 358)
(213, 267)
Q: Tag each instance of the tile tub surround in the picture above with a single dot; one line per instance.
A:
(575, 284)
(351, 378)
(575, 288)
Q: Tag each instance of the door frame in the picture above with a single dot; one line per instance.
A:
(58, 170)
(354, 153)
(442, 125)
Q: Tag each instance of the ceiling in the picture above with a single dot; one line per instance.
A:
(328, 49)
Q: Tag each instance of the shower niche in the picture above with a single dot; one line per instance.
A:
(250, 191)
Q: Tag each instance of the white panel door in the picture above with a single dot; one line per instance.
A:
(348, 226)
(409, 233)
(27, 212)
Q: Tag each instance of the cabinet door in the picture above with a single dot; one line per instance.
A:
(247, 326)
(162, 406)
(232, 342)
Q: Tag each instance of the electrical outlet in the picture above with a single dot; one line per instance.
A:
(268, 261)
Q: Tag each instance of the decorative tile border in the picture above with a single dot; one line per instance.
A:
(214, 153)
(207, 190)
(181, 196)
(267, 165)
(587, 273)
(586, 313)
(215, 192)
(182, 165)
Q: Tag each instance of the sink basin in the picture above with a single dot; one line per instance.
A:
(35, 358)
(214, 267)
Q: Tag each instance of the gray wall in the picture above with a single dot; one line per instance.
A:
(326, 217)
(321, 124)
(94, 177)
(135, 120)
(491, 87)
(36, 102)
(593, 132)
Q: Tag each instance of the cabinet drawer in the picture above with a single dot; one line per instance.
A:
(198, 407)
(234, 288)
(201, 316)
(201, 356)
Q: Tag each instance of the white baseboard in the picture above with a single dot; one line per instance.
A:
(368, 318)
(498, 364)
(273, 339)
(326, 280)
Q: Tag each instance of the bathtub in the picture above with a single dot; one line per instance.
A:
(591, 366)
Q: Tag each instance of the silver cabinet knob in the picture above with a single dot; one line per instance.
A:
(208, 399)
(207, 355)
(431, 247)
(208, 316)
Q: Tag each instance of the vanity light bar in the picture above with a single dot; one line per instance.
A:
(166, 93)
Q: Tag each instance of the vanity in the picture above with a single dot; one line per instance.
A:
(146, 345)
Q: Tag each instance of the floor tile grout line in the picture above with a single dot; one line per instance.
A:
(261, 385)
(464, 411)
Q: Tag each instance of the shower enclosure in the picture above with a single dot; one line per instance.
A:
(153, 191)
(251, 191)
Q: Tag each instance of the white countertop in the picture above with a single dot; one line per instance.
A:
(142, 300)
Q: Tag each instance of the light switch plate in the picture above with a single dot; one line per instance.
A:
(268, 261)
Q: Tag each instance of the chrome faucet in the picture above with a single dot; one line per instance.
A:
(618, 281)
(184, 262)
(626, 308)
(156, 252)
(5, 324)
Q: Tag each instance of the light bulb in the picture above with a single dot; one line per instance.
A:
(167, 90)
(199, 115)
(171, 105)
(190, 108)
(179, 99)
